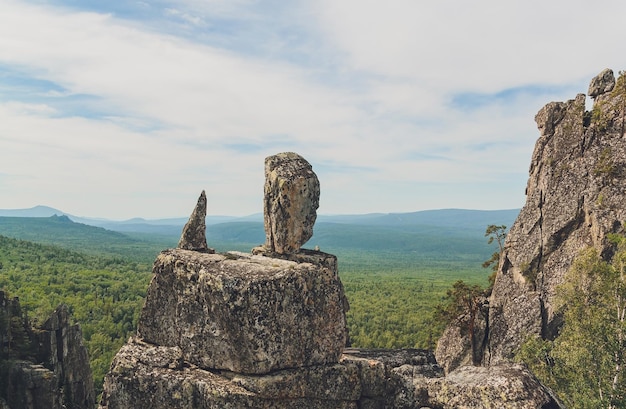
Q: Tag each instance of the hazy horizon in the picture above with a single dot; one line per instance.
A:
(4, 211)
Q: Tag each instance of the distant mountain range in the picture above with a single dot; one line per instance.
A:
(439, 234)
(458, 218)
(46, 211)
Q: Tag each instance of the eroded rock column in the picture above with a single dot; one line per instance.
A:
(292, 193)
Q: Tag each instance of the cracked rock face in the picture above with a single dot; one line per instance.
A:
(292, 193)
(575, 196)
(146, 376)
(57, 375)
(243, 313)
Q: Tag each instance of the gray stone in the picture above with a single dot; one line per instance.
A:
(455, 348)
(146, 376)
(292, 193)
(142, 378)
(31, 386)
(244, 313)
(574, 198)
(194, 232)
(327, 382)
(602, 83)
(62, 349)
(48, 367)
(497, 387)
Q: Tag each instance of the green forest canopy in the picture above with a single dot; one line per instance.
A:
(392, 293)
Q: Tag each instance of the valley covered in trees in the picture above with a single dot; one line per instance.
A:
(398, 299)
(103, 275)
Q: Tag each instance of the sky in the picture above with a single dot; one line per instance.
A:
(124, 108)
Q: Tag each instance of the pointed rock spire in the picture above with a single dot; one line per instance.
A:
(194, 232)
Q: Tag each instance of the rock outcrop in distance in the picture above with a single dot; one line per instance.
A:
(574, 199)
(268, 331)
(45, 367)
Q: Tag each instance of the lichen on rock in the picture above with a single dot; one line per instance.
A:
(245, 313)
(291, 199)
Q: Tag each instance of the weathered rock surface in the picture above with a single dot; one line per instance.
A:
(244, 313)
(149, 376)
(194, 232)
(575, 196)
(61, 349)
(267, 330)
(52, 371)
(602, 83)
(457, 347)
(510, 386)
(292, 193)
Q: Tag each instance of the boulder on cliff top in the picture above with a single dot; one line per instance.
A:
(194, 232)
(601, 83)
(292, 193)
(245, 313)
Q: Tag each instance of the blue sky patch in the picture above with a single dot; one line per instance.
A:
(469, 101)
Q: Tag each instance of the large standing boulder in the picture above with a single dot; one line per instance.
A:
(292, 193)
(245, 313)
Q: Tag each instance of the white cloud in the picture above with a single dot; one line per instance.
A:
(365, 90)
(485, 45)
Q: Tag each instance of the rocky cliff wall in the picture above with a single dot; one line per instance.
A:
(575, 197)
(45, 367)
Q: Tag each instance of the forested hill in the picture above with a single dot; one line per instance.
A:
(63, 232)
(434, 235)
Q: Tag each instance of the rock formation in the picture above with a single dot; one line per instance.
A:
(194, 232)
(457, 346)
(240, 331)
(575, 198)
(146, 376)
(43, 368)
(292, 193)
(245, 313)
(602, 83)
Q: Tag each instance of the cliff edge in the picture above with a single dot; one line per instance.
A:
(45, 367)
(574, 199)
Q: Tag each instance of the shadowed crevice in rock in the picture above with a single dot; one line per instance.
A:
(46, 367)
